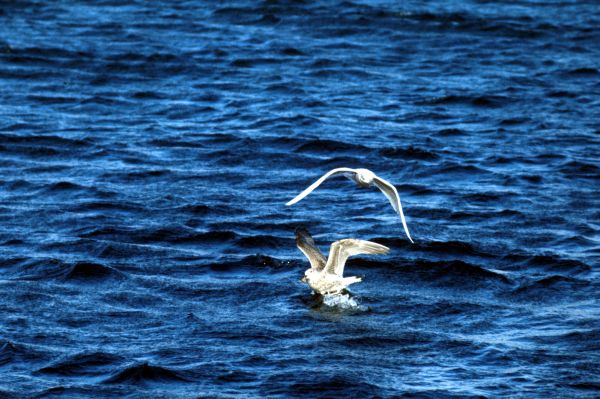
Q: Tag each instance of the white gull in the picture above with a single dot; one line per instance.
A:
(364, 178)
(326, 276)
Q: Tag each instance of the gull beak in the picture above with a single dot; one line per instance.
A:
(303, 279)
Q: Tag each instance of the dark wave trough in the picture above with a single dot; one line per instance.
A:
(147, 150)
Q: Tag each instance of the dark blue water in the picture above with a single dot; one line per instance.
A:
(147, 151)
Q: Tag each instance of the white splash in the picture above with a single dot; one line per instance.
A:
(343, 301)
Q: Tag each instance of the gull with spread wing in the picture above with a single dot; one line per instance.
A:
(326, 276)
(364, 178)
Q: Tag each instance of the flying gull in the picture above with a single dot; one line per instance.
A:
(364, 178)
(325, 276)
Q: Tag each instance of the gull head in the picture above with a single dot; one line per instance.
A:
(364, 177)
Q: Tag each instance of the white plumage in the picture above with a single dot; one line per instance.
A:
(364, 178)
(326, 276)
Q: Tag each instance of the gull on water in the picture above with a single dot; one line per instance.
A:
(364, 178)
(326, 276)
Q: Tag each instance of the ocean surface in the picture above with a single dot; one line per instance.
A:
(147, 150)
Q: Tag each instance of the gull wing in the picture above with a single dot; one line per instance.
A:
(306, 244)
(341, 250)
(316, 184)
(392, 195)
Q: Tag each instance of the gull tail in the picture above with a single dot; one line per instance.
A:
(351, 280)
